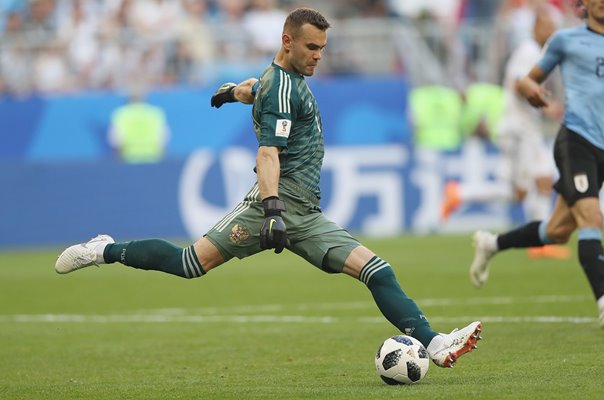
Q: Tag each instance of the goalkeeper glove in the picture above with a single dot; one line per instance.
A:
(273, 234)
(224, 94)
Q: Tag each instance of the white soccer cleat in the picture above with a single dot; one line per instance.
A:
(445, 349)
(83, 255)
(601, 319)
(485, 247)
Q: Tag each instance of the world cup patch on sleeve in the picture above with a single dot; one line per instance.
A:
(283, 127)
(581, 183)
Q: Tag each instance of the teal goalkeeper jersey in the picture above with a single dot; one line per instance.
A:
(286, 115)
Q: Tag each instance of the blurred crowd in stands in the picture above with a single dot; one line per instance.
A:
(63, 46)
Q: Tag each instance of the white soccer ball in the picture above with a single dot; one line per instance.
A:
(402, 360)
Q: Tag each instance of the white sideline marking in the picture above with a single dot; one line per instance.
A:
(262, 313)
(244, 319)
(503, 300)
(537, 319)
(358, 305)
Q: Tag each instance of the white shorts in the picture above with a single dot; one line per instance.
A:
(523, 159)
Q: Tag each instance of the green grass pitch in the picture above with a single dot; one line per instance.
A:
(274, 327)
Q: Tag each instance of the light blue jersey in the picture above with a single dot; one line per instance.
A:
(580, 54)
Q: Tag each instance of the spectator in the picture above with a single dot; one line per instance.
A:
(155, 18)
(40, 23)
(442, 9)
(115, 37)
(109, 63)
(180, 63)
(483, 10)
(483, 110)
(518, 17)
(194, 49)
(50, 70)
(15, 60)
(8, 7)
(234, 42)
(77, 31)
(139, 132)
(436, 113)
(264, 23)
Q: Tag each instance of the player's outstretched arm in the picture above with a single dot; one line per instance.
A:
(230, 93)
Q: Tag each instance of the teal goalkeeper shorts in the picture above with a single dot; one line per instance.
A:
(312, 235)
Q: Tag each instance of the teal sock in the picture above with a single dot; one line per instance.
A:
(396, 306)
(157, 255)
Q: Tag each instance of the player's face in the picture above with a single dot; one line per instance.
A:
(595, 10)
(306, 47)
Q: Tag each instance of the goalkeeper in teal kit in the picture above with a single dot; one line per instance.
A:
(282, 209)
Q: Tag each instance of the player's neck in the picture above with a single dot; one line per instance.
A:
(595, 26)
(282, 61)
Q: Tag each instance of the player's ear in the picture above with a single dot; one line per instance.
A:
(286, 41)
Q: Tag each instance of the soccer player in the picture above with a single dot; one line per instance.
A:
(578, 153)
(526, 169)
(282, 208)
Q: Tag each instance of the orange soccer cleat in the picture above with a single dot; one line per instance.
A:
(451, 200)
(550, 251)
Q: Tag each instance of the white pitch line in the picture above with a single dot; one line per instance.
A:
(359, 305)
(536, 319)
(158, 318)
(264, 313)
(245, 319)
(504, 300)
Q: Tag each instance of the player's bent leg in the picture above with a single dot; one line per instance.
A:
(208, 254)
(392, 301)
(404, 313)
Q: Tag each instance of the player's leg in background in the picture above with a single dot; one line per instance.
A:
(556, 230)
(587, 213)
(536, 170)
(537, 207)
